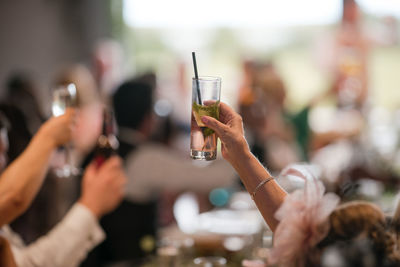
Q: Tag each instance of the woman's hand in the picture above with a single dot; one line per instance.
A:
(58, 130)
(230, 131)
(236, 150)
(102, 189)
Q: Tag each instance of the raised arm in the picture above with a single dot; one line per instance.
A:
(235, 150)
(20, 182)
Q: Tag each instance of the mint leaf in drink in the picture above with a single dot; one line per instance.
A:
(199, 111)
(207, 131)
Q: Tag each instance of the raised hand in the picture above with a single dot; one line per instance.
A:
(230, 131)
(58, 130)
(103, 188)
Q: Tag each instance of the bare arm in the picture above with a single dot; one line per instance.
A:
(270, 196)
(20, 182)
(235, 149)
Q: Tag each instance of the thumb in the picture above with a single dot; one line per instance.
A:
(214, 124)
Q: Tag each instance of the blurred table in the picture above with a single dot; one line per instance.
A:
(229, 233)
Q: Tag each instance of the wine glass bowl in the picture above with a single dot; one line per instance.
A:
(64, 96)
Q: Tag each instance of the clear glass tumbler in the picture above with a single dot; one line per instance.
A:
(206, 93)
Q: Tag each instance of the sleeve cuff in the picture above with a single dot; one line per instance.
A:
(80, 217)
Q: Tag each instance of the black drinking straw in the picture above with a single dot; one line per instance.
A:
(196, 76)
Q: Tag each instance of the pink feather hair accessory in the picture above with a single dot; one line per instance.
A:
(303, 220)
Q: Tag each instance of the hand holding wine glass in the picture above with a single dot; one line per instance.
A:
(58, 130)
(64, 96)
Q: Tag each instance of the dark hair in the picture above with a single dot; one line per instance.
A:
(20, 83)
(132, 101)
(360, 233)
(4, 122)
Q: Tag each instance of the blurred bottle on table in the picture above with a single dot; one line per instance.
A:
(107, 143)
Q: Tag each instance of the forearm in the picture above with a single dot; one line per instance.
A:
(235, 149)
(270, 196)
(22, 179)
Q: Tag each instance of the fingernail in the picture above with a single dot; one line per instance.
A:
(204, 119)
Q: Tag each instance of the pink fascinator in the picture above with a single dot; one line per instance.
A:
(303, 220)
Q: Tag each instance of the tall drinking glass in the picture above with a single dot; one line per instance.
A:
(203, 140)
(64, 96)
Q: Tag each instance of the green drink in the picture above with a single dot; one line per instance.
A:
(203, 140)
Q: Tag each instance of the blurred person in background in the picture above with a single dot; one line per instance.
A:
(345, 55)
(338, 129)
(152, 168)
(174, 100)
(350, 59)
(56, 195)
(87, 129)
(245, 89)
(4, 142)
(19, 135)
(70, 240)
(21, 107)
(107, 67)
(272, 135)
(344, 128)
(22, 93)
(89, 119)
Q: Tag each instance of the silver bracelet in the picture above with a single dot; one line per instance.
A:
(263, 182)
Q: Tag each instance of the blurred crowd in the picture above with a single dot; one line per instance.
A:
(338, 129)
(156, 171)
(351, 146)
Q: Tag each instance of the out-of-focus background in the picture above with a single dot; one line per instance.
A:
(42, 36)
(288, 33)
(315, 81)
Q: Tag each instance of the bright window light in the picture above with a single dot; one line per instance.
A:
(229, 13)
(381, 7)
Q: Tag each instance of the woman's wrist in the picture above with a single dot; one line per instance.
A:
(42, 142)
(91, 206)
(44, 137)
(241, 156)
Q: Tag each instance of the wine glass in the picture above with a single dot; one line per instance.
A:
(64, 96)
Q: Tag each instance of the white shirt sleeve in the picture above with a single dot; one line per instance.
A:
(153, 168)
(66, 245)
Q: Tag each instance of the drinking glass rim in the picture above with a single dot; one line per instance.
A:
(207, 78)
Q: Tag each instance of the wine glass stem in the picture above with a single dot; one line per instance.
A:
(68, 159)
